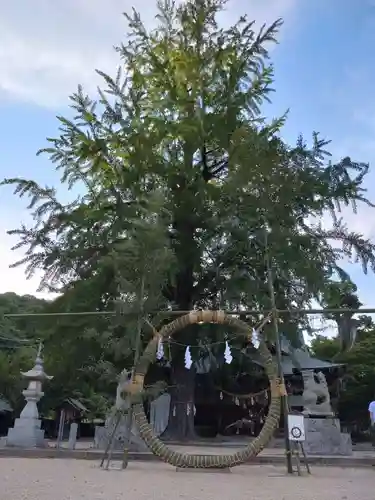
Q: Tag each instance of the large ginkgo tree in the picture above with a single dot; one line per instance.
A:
(180, 177)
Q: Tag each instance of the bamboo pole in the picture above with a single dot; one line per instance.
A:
(245, 312)
(284, 396)
(137, 353)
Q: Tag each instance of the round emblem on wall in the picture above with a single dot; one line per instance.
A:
(296, 432)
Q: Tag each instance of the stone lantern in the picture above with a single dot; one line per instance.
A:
(26, 432)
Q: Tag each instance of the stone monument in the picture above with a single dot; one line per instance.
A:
(322, 428)
(103, 433)
(26, 432)
(316, 398)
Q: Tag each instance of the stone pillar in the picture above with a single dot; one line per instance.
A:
(72, 436)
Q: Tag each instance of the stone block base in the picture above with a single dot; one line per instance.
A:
(26, 433)
(102, 435)
(324, 437)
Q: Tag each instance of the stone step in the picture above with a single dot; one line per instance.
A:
(266, 457)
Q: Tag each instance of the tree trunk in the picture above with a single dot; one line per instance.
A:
(181, 413)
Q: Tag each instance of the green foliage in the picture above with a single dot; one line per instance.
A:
(18, 340)
(180, 177)
(342, 295)
(14, 330)
(325, 348)
(358, 381)
(11, 383)
(179, 146)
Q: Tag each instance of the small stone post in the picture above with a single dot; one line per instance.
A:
(72, 436)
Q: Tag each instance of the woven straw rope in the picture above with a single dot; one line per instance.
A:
(178, 459)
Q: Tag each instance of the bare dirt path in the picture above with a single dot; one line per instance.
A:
(36, 479)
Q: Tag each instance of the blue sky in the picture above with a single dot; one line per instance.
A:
(324, 73)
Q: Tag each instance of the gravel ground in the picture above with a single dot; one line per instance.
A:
(36, 479)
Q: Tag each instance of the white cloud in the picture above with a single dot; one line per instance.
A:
(14, 280)
(47, 48)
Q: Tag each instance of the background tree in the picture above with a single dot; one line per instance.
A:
(358, 387)
(180, 143)
(18, 340)
(100, 346)
(13, 330)
(343, 295)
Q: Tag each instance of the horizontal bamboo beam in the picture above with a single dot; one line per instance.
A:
(251, 312)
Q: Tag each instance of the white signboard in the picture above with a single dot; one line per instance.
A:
(296, 426)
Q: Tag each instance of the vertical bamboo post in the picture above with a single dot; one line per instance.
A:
(284, 396)
(137, 352)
